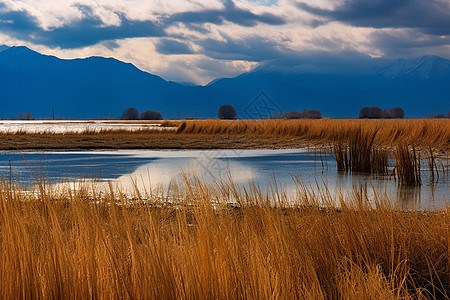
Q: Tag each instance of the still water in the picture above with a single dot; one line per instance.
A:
(159, 169)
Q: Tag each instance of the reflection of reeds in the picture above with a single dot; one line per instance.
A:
(198, 245)
(409, 197)
(407, 166)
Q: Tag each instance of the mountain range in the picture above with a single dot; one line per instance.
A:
(103, 87)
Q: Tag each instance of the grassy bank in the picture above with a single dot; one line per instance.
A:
(243, 134)
(145, 140)
(83, 244)
(420, 132)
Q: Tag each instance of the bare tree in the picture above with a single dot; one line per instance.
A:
(27, 116)
(292, 115)
(372, 112)
(311, 114)
(130, 113)
(227, 112)
(396, 113)
(277, 116)
(440, 116)
(150, 115)
(305, 114)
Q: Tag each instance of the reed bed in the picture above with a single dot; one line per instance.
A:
(407, 166)
(358, 154)
(420, 132)
(245, 134)
(79, 244)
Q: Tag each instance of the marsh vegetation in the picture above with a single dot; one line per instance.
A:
(241, 134)
(219, 240)
(223, 239)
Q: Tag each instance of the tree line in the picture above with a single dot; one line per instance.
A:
(440, 116)
(304, 114)
(227, 112)
(132, 113)
(374, 112)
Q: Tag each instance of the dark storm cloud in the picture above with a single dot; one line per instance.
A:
(251, 49)
(169, 46)
(322, 62)
(17, 23)
(408, 43)
(231, 13)
(431, 17)
(88, 31)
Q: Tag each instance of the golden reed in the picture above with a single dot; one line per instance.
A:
(420, 132)
(89, 243)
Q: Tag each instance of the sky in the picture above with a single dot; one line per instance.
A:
(198, 41)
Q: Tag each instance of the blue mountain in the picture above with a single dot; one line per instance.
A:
(79, 88)
(424, 68)
(419, 86)
(96, 87)
(3, 48)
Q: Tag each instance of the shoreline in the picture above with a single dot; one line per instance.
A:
(152, 141)
(168, 141)
(424, 135)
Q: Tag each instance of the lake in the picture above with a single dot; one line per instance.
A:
(150, 170)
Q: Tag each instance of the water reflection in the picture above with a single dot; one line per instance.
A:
(409, 197)
(148, 171)
(164, 172)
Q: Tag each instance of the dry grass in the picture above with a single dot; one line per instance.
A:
(80, 246)
(145, 140)
(407, 166)
(420, 132)
(358, 154)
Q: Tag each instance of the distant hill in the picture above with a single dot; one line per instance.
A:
(423, 68)
(96, 87)
(3, 48)
(79, 88)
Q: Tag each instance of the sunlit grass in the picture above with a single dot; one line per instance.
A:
(424, 134)
(420, 132)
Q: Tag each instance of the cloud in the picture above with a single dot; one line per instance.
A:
(431, 17)
(169, 47)
(230, 13)
(408, 43)
(400, 28)
(17, 22)
(91, 29)
(88, 31)
(253, 48)
(322, 62)
(198, 40)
